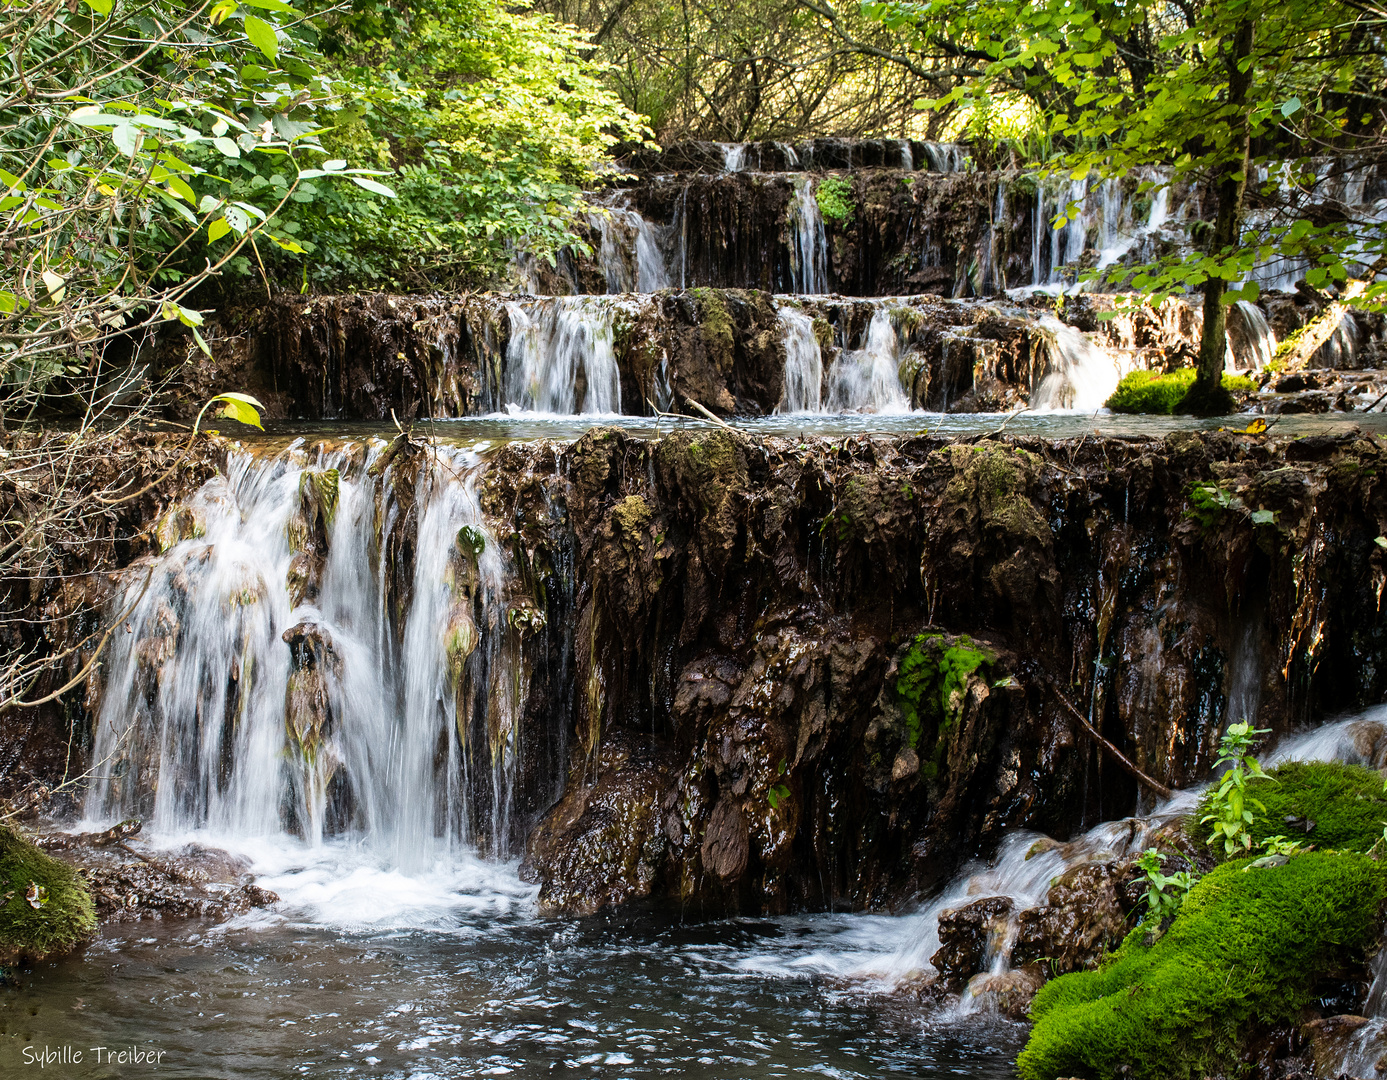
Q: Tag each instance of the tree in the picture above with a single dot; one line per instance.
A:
(1250, 102)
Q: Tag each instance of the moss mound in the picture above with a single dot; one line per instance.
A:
(1345, 803)
(1161, 392)
(1248, 946)
(65, 916)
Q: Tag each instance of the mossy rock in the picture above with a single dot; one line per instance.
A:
(1161, 392)
(931, 681)
(1246, 949)
(65, 917)
(1345, 803)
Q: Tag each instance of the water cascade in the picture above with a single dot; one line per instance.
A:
(809, 245)
(1081, 375)
(867, 379)
(803, 363)
(279, 676)
(630, 251)
(555, 340)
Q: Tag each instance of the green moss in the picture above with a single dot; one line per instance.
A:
(65, 916)
(993, 481)
(834, 196)
(1247, 947)
(1346, 803)
(1160, 392)
(930, 683)
(715, 324)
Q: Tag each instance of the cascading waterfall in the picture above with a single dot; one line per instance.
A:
(733, 157)
(552, 341)
(803, 363)
(808, 243)
(268, 682)
(1258, 337)
(1080, 375)
(867, 379)
(630, 251)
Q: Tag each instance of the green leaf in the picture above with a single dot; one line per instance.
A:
(241, 407)
(1291, 107)
(226, 146)
(262, 36)
(217, 229)
(202, 343)
(373, 186)
(1263, 517)
(101, 7)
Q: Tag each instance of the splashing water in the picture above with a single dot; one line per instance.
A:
(1080, 374)
(630, 252)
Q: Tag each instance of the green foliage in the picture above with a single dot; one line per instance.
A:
(1228, 806)
(1161, 391)
(1164, 892)
(834, 196)
(930, 684)
(1343, 806)
(45, 906)
(1245, 948)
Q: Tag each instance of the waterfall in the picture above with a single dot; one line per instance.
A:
(552, 341)
(867, 379)
(946, 157)
(733, 156)
(629, 251)
(1080, 375)
(263, 684)
(808, 243)
(803, 363)
(1259, 340)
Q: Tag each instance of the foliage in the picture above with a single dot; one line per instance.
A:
(930, 683)
(491, 117)
(45, 906)
(1244, 101)
(1164, 892)
(1324, 803)
(1228, 806)
(834, 196)
(1245, 947)
(120, 157)
(1161, 391)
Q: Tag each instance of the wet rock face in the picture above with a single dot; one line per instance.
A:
(844, 664)
(964, 935)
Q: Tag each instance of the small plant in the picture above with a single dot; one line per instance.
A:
(834, 196)
(1164, 892)
(1229, 806)
(778, 793)
(1281, 845)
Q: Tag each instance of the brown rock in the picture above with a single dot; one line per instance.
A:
(963, 936)
(1082, 917)
(726, 843)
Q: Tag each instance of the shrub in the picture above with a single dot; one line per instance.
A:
(1247, 948)
(64, 917)
(1159, 392)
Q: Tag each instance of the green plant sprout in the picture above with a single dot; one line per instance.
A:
(1164, 892)
(1230, 806)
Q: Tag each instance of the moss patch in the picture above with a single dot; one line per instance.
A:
(1160, 392)
(1247, 947)
(715, 324)
(1346, 803)
(65, 916)
(834, 196)
(930, 684)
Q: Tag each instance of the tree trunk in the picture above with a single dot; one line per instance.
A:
(1207, 397)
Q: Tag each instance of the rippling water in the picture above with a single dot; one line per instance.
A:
(365, 972)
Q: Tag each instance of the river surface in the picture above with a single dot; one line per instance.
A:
(452, 973)
(520, 427)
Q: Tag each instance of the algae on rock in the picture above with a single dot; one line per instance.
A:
(45, 906)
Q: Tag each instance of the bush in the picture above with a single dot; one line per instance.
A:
(1160, 392)
(834, 196)
(1247, 948)
(65, 916)
(1346, 803)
